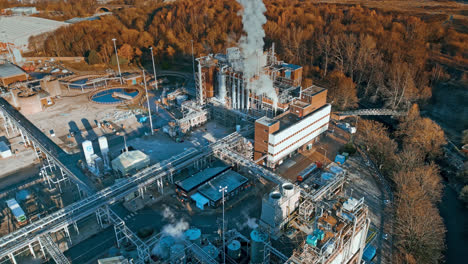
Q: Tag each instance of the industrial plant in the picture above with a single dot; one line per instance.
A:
(222, 165)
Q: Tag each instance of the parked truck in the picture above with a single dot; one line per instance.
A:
(18, 212)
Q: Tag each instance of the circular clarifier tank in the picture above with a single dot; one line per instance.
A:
(115, 95)
(193, 235)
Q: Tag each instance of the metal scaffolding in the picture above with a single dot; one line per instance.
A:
(54, 251)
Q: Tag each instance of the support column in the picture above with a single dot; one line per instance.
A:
(68, 234)
(76, 227)
(12, 258)
(32, 250)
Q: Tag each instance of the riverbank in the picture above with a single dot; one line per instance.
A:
(455, 216)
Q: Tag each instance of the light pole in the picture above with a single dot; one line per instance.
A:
(154, 69)
(223, 190)
(117, 58)
(149, 106)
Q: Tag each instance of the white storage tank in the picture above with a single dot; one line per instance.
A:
(257, 246)
(88, 151)
(104, 146)
(234, 249)
(193, 235)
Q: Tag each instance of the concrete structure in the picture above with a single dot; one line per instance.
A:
(113, 260)
(52, 86)
(277, 209)
(22, 10)
(132, 78)
(276, 138)
(10, 73)
(5, 151)
(18, 29)
(130, 161)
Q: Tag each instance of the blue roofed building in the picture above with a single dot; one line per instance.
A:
(234, 182)
(189, 185)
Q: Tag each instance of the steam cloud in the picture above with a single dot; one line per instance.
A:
(174, 228)
(251, 46)
(249, 222)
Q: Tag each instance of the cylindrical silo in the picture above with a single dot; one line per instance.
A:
(221, 85)
(257, 246)
(104, 146)
(164, 249)
(212, 251)
(234, 249)
(88, 151)
(193, 235)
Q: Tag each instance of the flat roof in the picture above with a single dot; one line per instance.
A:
(201, 177)
(18, 29)
(266, 121)
(291, 66)
(231, 179)
(312, 90)
(290, 119)
(200, 199)
(9, 70)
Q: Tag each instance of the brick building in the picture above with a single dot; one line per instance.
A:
(296, 129)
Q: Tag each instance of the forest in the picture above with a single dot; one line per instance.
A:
(363, 56)
(370, 57)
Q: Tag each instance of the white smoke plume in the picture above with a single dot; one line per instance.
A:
(175, 228)
(251, 46)
(249, 222)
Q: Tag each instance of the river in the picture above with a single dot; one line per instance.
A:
(455, 217)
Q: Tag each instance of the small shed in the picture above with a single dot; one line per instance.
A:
(130, 161)
(5, 151)
(10, 73)
(200, 200)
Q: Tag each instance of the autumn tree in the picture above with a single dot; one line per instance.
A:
(376, 141)
(93, 57)
(421, 133)
(342, 91)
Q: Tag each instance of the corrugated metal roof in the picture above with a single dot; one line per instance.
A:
(200, 178)
(8, 70)
(18, 29)
(231, 179)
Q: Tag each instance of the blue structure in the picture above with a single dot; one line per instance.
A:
(200, 200)
(336, 169)
(340, 159)
(369, 253)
